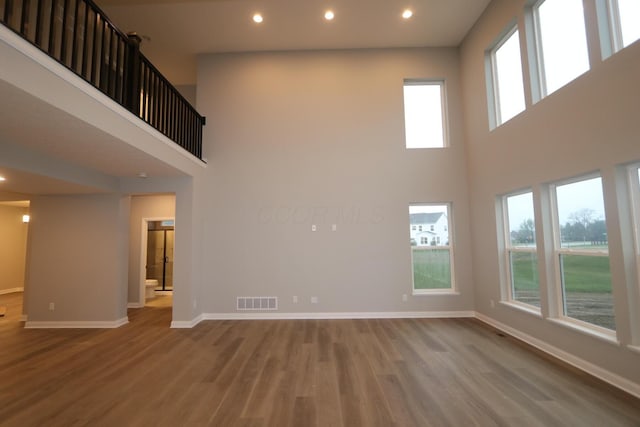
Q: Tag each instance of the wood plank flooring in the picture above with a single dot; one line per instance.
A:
(413, 372)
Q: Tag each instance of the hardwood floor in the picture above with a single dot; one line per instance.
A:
(414, 372)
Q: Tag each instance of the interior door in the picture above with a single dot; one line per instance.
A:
(155, 256)
(160, 237)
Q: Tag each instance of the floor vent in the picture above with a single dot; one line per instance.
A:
(256, 303)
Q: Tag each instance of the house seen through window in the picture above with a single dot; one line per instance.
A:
(431, 253)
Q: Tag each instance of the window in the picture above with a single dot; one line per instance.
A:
(582, 252)
(624, 17)
(506, 87)
(424, 118)
(520, 249)
(432, 228)
(561, 42)
(432, 259)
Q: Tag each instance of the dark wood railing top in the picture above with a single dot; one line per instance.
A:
(79, 35)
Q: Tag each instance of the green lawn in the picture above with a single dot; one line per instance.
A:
(586, 274)
(431, 269)
(582, 273)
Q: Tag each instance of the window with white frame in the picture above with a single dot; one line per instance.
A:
(634, 185)
(431, 250)
(582, 252)
(506, 84)
(624, 21)
(561, 42)
(520, 249)
(424, 114)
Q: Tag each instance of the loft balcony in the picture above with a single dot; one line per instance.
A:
(78, 35)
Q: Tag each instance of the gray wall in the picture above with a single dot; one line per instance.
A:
(13, 247)
(77, 258)
(589, 125)
(301, 138)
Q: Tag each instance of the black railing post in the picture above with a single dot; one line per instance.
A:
(132, 74)
(109, 60)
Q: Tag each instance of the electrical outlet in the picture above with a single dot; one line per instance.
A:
(314, 227)
(493, 304)
(295, 299)
(334, 227)
(314, 300)
(405, 298)
(52, 306)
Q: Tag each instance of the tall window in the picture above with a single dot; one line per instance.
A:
(625, 22)
(431, 250)
(520, 244)
(424, 117)
(506, 78)
(582, 252)
(561, 42)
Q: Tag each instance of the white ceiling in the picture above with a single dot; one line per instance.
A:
(179, 30)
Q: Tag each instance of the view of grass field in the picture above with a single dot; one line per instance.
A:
(431, 268)
(587, 286)
(581, 273)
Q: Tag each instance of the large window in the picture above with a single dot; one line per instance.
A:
(424, 117)
(561, 42)
(582, 252)
(625, 22)
(431, 251)
(520, 245)
(506, 78)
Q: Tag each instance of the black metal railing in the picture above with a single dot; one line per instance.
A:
(80, 36)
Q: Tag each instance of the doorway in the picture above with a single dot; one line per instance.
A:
(159, 260)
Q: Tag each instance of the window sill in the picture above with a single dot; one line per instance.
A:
(595, 332)
(634, 348)
(530, 309)
(431, 292)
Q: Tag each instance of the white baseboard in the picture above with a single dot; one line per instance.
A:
(335, 315)
(135, 305)
(76, 324)
(185, 324)
(588, 367)
(10, 290)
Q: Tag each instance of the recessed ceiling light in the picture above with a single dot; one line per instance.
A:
(257, 18)
(329, 15)
(408, 13)
(142, 174)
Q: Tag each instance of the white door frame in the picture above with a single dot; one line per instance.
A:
(143, 252)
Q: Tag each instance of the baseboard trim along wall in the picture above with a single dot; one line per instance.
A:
(185, 324)
(76, 325)
(10, 290)
(591, 369)
(135, 305)
(319, 316)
